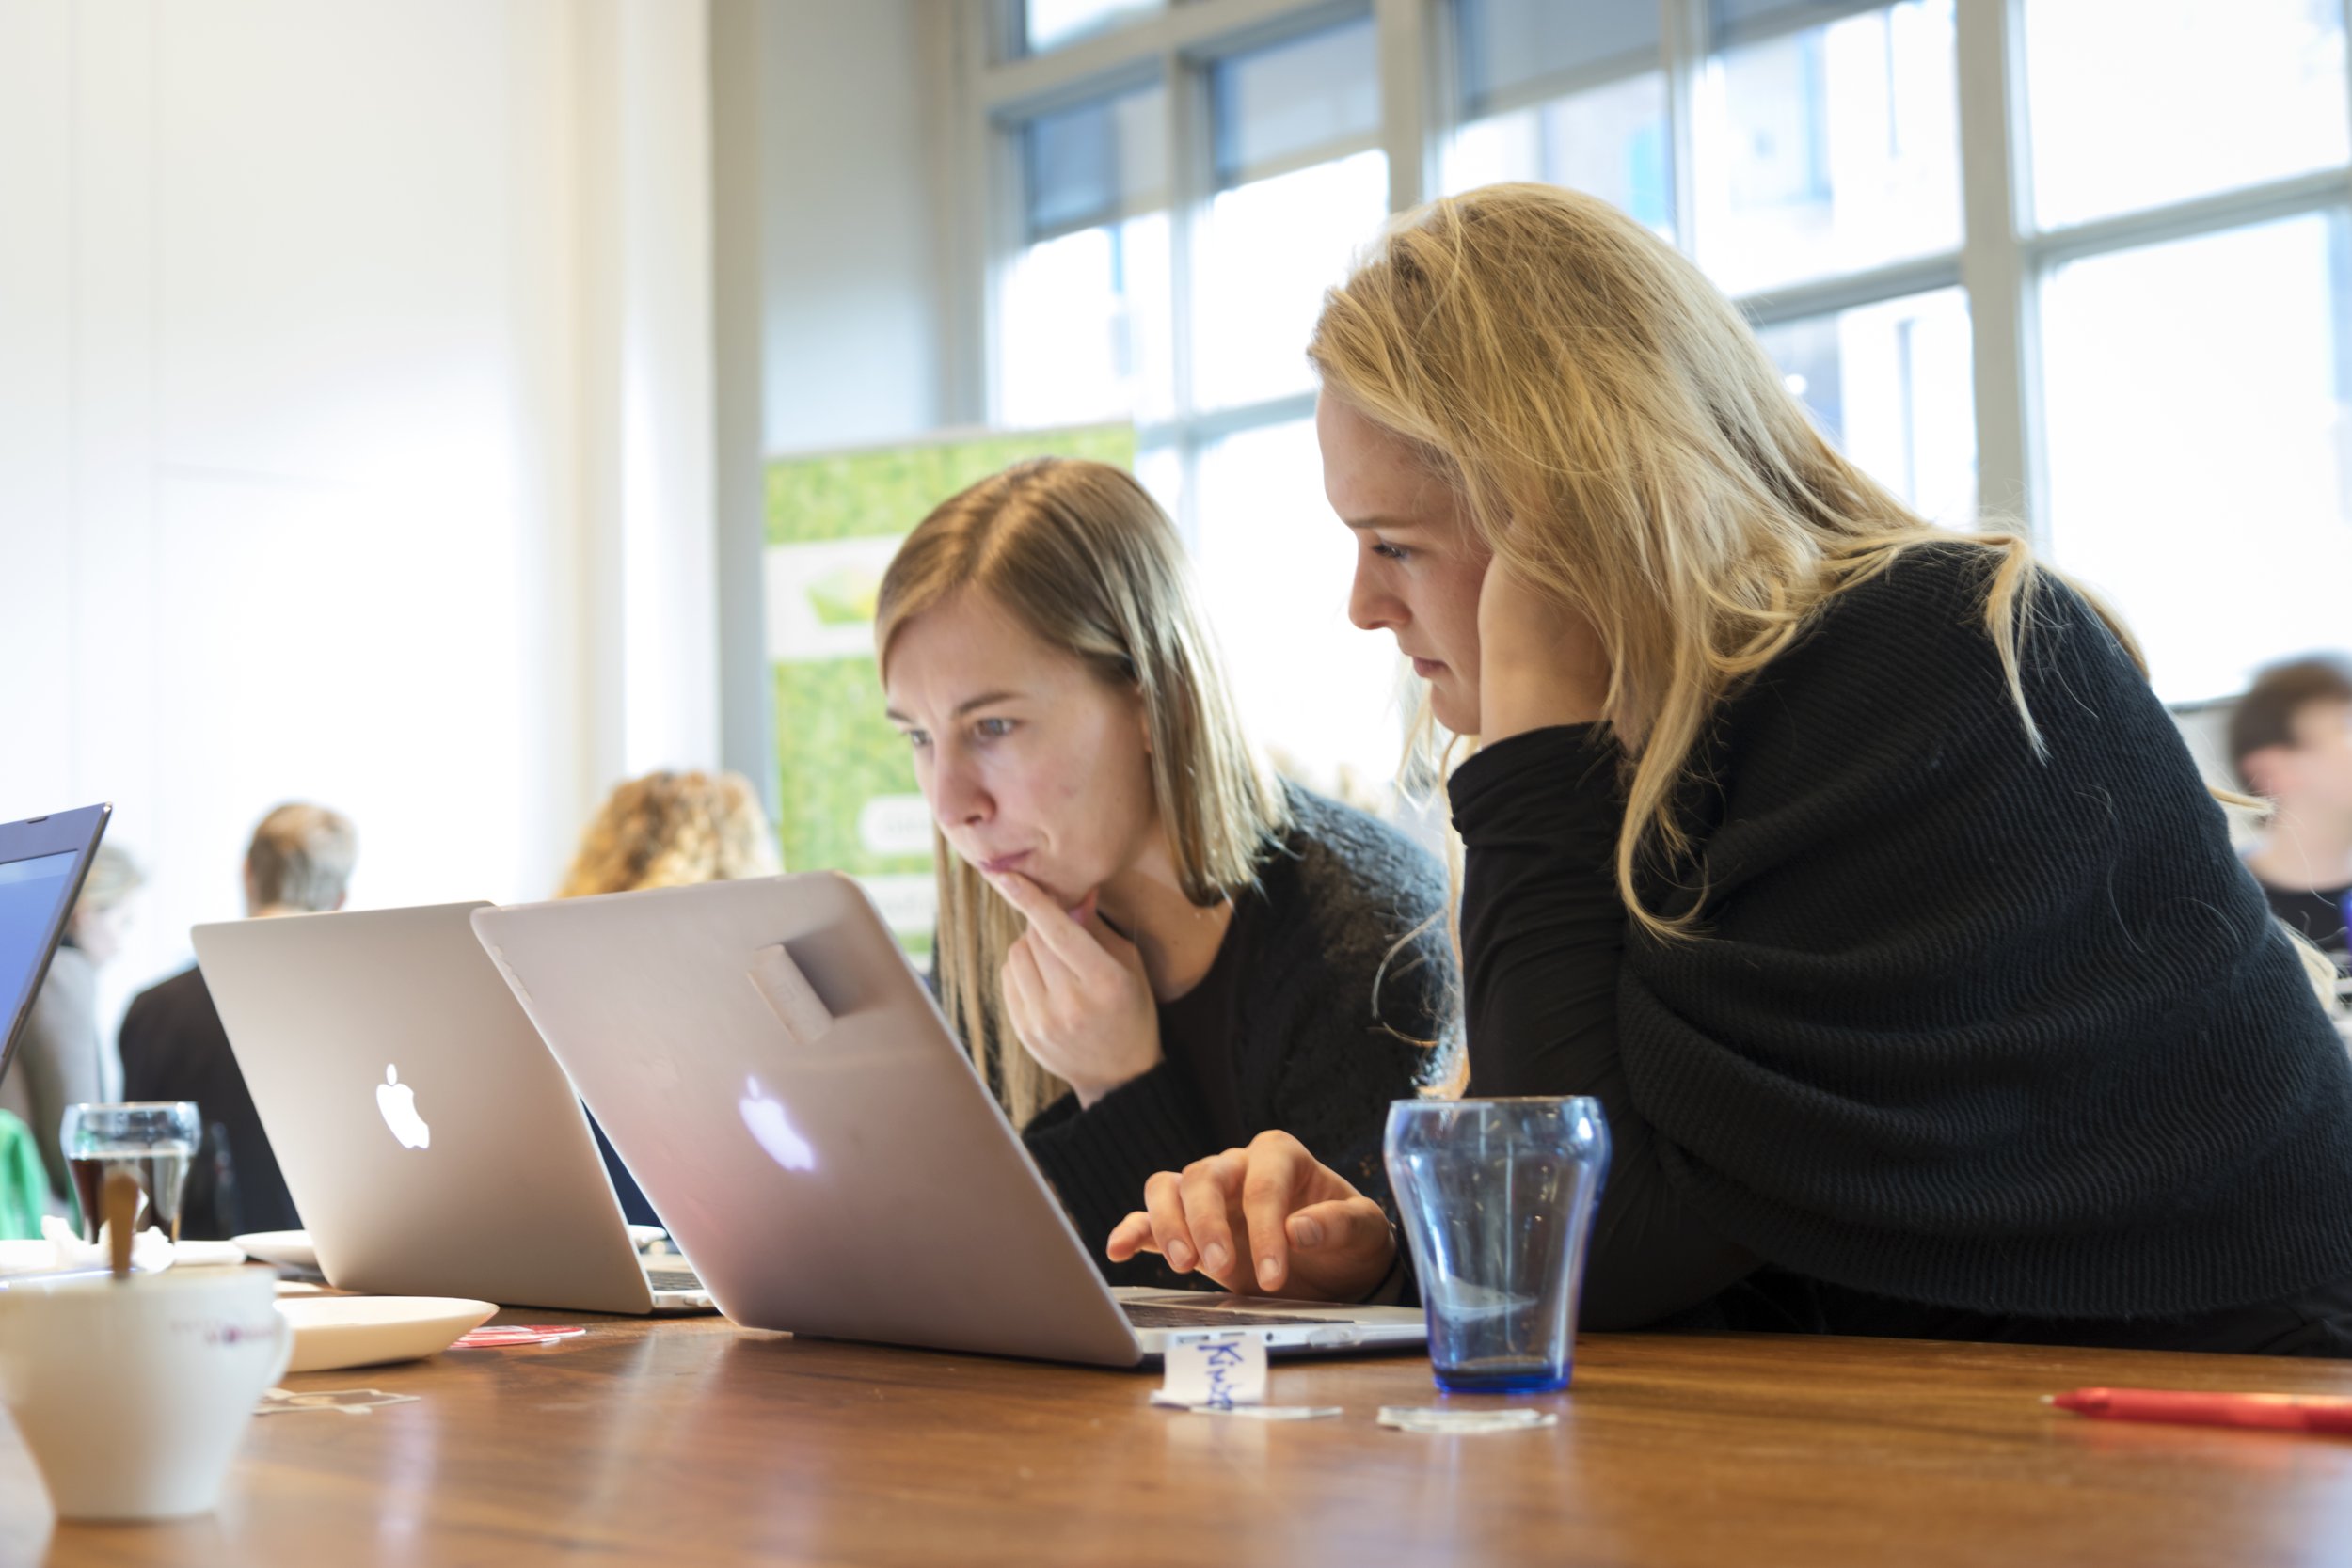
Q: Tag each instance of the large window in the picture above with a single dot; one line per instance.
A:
(2079, 266)
(1184, 302)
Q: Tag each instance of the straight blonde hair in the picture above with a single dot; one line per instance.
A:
(1621, 441)
(1082, 557)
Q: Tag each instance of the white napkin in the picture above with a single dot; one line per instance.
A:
(151, 1249)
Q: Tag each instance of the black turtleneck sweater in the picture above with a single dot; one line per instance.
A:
(1967, 1039)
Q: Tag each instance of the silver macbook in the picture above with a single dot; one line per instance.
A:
(430, 1142)
(779, 1079)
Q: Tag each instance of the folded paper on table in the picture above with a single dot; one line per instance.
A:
(1215, 1372)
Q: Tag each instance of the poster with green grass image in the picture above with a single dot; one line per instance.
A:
(846, 779)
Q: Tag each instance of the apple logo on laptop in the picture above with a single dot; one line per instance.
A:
(398, 1103)
(773, 1129)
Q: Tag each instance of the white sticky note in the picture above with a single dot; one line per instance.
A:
(1217, 1370)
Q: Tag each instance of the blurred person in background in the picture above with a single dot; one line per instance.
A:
(60, 1060)
(669, 829)
(674, 829)
(174, 1047)
(2291, 742)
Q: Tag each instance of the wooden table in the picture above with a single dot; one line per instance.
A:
(690, 1441)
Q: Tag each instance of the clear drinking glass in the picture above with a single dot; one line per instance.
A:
(1497, 1199)
(154, 1140)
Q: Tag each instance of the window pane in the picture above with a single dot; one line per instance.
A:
(1275, 568)
(2137, 102)
(1295, 99)
(1083, 313)
(1611, 141)
(1267, 253)
(1084, 327)
(1830, 149)
(1095, 162)
(1050, 24)
(1890, 386)
(2197, 420)
(1508, 45)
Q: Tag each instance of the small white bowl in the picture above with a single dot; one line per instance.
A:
(289, 1249)
(366, 1331)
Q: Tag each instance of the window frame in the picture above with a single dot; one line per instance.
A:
(2001, 262)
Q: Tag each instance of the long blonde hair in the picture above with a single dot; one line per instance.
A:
(674, 829)
(1620, 440)
(1080, 555)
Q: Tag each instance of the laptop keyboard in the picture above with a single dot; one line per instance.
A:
(1146, 1316)
(674, 1279)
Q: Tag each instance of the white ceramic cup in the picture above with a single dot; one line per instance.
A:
(133, 1394)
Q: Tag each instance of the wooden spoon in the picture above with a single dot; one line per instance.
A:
(120, 1204)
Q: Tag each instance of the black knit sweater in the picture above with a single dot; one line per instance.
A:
(1312, 1020)
(1964, 1025)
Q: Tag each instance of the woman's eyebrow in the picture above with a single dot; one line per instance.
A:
(983, 700)
(1382, 520)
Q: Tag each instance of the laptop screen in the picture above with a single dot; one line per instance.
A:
(42, 863)
(32, 895)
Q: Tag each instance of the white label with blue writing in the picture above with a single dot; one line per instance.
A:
(1217, 1371)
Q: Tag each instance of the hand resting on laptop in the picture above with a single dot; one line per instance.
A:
(1269, 1219)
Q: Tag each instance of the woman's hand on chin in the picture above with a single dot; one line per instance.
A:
(1077, 993)
(1271, 1220)
(1540, 663)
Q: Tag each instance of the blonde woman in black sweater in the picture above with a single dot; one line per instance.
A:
(1850, 862)
(1154, 948)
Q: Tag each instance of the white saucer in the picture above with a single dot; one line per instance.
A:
(364, 1331)
(287, 1248)
(207, 1255)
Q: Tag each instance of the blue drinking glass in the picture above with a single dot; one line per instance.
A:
(1497, 1197)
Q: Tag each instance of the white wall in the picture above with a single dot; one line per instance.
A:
(354, 428)
(852, 223)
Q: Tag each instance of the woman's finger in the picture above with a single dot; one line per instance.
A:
(1025, 990)
(1340, 1227)
(1060, 938)
(1209, 1189)
(1163, 1206)
(1130, 1236)
(1279, 1171)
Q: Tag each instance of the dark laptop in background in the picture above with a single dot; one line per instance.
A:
(43, 861)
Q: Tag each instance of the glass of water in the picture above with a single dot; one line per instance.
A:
(154, 1140)
(1497, 1197)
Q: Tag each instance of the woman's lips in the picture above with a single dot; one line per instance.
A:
(1428, 669)
(1003, 863)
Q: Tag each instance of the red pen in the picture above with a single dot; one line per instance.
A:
(2296, 1412)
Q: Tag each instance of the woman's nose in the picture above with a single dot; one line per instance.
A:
(958, 797)
(1371, 608)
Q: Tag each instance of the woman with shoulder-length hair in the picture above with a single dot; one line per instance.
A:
(1154, 949)
(1849, 862)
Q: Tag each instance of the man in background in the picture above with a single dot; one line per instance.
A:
(174, 1047)
(2291, 741)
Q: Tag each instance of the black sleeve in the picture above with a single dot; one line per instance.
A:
(1098, 1159)
(1543, 933)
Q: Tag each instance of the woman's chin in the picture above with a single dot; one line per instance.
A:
(1458, 717)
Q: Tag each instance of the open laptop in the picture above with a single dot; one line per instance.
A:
(781, 1082)
(43, 863)
(430, 1142)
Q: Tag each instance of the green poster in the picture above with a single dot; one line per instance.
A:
(846, 779)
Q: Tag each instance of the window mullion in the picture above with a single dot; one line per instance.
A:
(1190, 179)
(1682, 54)
(1404, 51)
(1993, 267)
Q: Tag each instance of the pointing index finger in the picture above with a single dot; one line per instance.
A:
(1061, 934)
